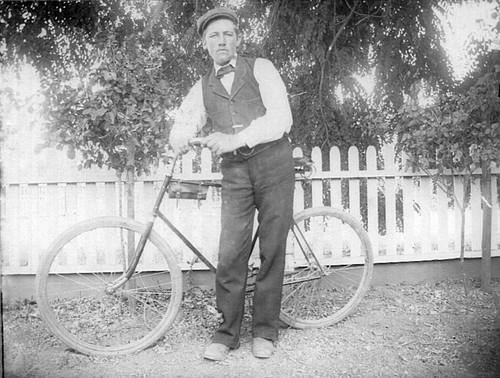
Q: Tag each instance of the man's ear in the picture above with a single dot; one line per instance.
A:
(203, 44)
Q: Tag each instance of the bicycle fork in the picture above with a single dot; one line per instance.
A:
(306, 251)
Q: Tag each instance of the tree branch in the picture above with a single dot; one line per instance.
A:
(327, 57)
(159, 9)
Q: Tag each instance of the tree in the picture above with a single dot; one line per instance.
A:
(460, 133)
(324, 46)
(115, 115)
(47, 35)
(321, 47)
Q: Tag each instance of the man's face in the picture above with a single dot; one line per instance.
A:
(221, 40)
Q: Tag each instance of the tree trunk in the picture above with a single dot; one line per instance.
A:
(130, 193)
(486, 236)
(466, 181)
(130, 203)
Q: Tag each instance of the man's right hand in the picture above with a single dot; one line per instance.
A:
(180, 148)
(221, 143)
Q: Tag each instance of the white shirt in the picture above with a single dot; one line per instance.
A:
(227, 79)
(192, 116)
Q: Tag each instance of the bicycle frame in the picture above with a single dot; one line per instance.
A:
(112, 287)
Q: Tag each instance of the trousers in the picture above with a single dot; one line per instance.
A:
(263, 183)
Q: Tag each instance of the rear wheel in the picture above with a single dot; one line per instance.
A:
(329, 268)
(73, 279)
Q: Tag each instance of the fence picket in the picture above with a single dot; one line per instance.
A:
(442, 214)
(390, 216)
(42, 226)
(354, 190)
(5, 226)
(458, 189)
(335, 181)
(475, 216)
(409, 214)
(425, 196)
(495, 211)
(25, 226)
(317, 185)
(390, 203)
(298, 199)
(372, 198)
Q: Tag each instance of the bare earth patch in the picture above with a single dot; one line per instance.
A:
(448, 329)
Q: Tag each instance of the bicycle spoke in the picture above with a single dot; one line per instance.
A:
(314, 290)
(299, 295)
(83, 277)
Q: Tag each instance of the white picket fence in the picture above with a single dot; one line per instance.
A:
(407, 217)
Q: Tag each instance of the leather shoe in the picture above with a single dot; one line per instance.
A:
(216, 352)
(262, 348)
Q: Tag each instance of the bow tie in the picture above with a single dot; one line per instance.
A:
(224, 70)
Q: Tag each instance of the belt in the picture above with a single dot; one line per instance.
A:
(245, 153)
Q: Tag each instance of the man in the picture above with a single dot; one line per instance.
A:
(248, 105)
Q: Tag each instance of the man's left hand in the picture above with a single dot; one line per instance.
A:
(221, 143)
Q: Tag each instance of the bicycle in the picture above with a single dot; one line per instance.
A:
(112, 285)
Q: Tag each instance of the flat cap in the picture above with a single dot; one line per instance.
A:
(213, 14)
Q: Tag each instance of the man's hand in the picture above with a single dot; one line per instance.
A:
(180, 145)
(221, 143)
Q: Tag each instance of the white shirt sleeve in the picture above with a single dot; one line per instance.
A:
(278, 117)
(189, 118)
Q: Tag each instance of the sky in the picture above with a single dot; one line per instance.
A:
(460, 24)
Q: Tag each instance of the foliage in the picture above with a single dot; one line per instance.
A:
(321, 47)
(116, 114)
(458, 132)
(108, 86)
(47, 34)
(483, 107)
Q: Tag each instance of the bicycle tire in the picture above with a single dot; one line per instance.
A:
(326, 283)
(73, 275)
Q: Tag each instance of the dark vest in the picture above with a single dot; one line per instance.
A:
(241, 106)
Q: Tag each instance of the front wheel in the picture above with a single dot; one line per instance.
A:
(329, 268)
(72, 286)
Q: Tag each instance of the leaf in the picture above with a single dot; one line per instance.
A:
(109, 76)
(71, 152)
(112, 116)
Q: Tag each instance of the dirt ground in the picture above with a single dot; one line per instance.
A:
(448, 329)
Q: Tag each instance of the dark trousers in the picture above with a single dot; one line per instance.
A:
(263, 182)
